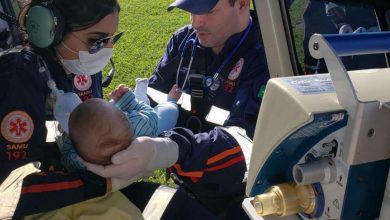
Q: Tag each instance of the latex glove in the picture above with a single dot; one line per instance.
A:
(115, 184)
(345, 29)
(144, 155)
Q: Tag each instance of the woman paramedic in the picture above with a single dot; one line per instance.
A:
(69, 41)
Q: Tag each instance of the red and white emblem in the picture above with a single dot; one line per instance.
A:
(82, 82)
(17, 127)
(236, 71)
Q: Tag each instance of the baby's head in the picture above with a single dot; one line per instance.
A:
(98, 130)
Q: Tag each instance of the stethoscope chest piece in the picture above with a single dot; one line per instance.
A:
(213, 83)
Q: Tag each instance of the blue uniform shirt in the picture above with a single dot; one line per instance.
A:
(239, 92)
(23, 95)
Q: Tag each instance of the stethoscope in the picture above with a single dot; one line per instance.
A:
(211, 82)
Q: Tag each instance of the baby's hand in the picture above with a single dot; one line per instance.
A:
(174, 94)
(119, 92)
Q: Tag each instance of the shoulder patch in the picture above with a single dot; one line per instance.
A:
(82, 82)
(17, 127)
(236, 71)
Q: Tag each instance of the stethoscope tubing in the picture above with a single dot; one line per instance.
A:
(193, 41)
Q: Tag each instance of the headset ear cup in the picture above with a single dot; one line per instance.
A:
(59, 34)
(43, 26)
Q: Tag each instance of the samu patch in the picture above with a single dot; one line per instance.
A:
(82, 82)
(236, 71)
(17, 127)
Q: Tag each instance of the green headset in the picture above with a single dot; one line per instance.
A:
(44, 24)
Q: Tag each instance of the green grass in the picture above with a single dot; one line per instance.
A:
(148, 27)
(296, 11)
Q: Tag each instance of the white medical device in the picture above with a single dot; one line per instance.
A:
(322, 143)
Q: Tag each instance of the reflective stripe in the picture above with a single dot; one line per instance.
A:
(187, 174)
(223, 155)
(156, 95)
(217, 115)
(49, 187)
(160, 97)
(243, 140)
(11, 188)
(226, 164)
(158, 203)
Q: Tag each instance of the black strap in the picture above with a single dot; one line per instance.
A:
(197, 90)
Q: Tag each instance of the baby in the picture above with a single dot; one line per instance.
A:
(98, 128)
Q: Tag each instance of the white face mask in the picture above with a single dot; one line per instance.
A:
(87, 64)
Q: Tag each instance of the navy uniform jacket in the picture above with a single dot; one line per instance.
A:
(212, 165)
(23, 93)
(241, 90)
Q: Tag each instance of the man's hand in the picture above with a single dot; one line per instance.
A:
(174, 93)
(144, 155)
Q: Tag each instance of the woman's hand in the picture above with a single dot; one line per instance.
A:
(144, 155)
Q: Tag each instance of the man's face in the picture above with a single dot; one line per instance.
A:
(216, 26)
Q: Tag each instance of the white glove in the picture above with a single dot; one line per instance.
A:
(144, 155)
(345, 29)
(115, 184)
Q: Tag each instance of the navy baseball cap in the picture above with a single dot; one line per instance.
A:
(194, 6)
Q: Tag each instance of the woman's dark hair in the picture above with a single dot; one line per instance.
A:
(76, 15)
(82, 14)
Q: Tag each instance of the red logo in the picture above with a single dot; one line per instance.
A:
(17, 127)
(82, 82)
(236, 71)
(229, 86)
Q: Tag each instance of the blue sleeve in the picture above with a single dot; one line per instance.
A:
(206, 159)
(69, 156)
(142, 117)
(23, 89)
(41, 191)
(246, 105)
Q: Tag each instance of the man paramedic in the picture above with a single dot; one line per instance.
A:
(219, 63)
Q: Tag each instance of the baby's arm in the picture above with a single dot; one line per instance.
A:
(142, 117)
(117, 93)
(69, 156)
